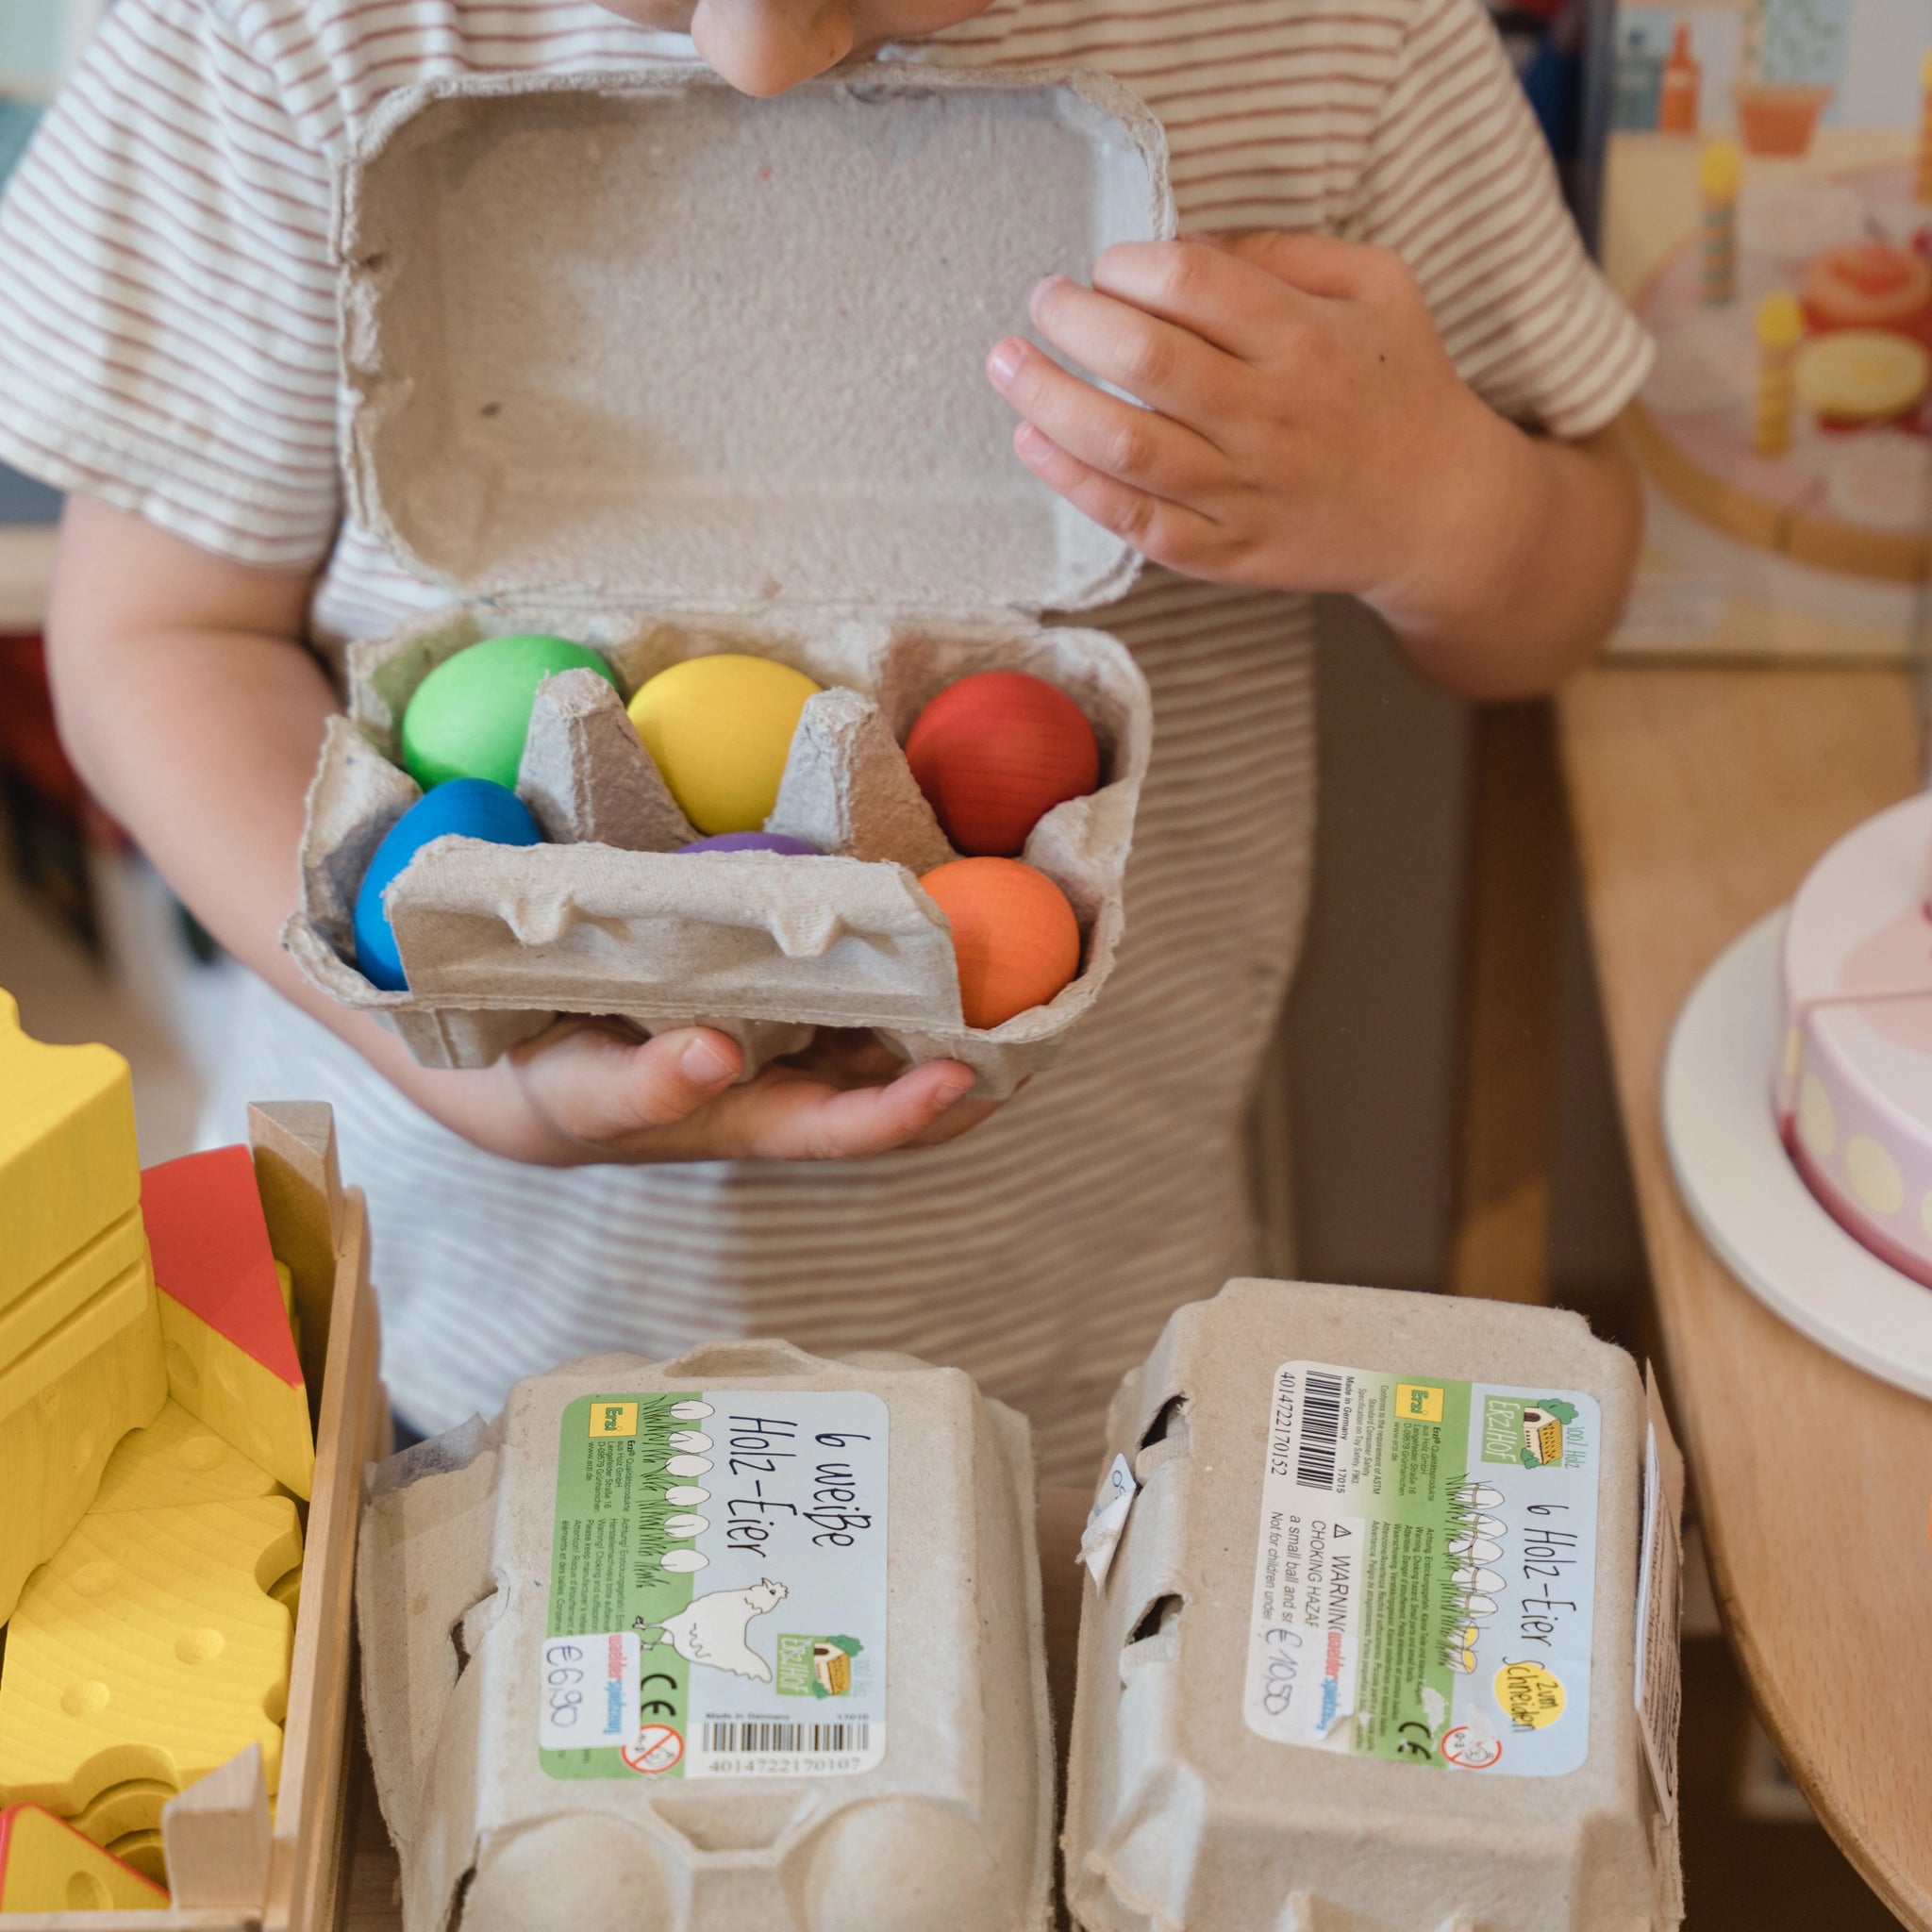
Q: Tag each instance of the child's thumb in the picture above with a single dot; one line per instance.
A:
(602, 1087)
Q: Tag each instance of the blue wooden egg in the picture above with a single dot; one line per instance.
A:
(470, 808)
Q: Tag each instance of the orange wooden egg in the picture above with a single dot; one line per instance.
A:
(996, 752)
(1014, 935)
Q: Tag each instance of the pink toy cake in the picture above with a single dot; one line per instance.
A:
(1855, 1091)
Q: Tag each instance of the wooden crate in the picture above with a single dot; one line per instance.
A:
(231, 1868)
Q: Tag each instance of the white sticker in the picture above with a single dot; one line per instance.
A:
(1108, 1520)
(1660, 1613)
(589, 1691)
(1424, 1572)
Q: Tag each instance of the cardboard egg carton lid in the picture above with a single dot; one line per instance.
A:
(473, 1552)
(632, 336)
(1182, 1815)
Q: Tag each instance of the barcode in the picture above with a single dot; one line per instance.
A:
(757, 1739)
(1321, 1424)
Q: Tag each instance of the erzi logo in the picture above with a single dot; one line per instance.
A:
(1534, 1434)
(1417, 1402)
(816, 1666)
(614, 1418)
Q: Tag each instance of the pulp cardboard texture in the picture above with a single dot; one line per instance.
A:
(669, 372)
(1180, 1816)
(950, 1831)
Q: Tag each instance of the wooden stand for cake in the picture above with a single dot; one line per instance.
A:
(1699, 799)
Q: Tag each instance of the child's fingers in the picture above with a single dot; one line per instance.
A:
(1168, 367)
(1323, 265)
(1211, 293)
(1168, 532)
(600, 1087)
(801, 1119)
(1136, 445)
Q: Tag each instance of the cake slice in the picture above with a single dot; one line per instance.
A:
(231, 1355)
(46, 1866)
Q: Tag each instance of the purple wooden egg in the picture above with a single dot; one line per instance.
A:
(753, 841)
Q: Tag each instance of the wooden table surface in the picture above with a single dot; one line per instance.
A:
(1699, 799)
(375, 1899)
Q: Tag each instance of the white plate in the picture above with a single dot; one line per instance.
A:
(1746, 1196)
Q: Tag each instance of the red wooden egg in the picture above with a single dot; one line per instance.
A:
(996, 752)
(1014, 935)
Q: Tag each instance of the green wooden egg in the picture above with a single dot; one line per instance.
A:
(470, 716)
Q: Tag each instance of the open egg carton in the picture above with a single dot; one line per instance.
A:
(643, 363)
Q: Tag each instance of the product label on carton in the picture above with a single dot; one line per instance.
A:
(717, 1587)
(1425, 1574)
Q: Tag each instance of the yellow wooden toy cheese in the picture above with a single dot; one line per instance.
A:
(133, 1804)
(142, 1851)
(46, 1866)
(68, 1167)
(287, 1590)
(64, 1404)
(225, 1310)
(243, 1402)
(57, 1293)
(177, 1460)
(148, 1648)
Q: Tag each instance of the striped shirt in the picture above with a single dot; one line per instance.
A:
(168, 344)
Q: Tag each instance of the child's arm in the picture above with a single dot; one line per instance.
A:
(194, 715)
(1307, 431)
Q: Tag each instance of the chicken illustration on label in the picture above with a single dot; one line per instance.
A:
(711, 1629)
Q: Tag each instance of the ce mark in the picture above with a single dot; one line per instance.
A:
(656, 1707)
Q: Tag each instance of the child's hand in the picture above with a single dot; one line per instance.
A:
(1305, 428)
(590, 1090)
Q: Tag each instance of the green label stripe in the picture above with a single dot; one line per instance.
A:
(605, 1565)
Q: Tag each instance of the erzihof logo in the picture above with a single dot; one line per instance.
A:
(816, 1666)
(1542, 1432)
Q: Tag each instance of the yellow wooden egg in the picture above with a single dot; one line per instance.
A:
(719, 729)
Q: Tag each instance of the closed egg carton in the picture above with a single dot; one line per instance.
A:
(496, 941)
(894, 1629)
(1195, 1802)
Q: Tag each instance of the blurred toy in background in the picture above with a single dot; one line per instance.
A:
(1768, 213)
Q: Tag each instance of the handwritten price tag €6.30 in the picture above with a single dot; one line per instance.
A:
(588, 1692)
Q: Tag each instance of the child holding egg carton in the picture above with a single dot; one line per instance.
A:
(1397, 382)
